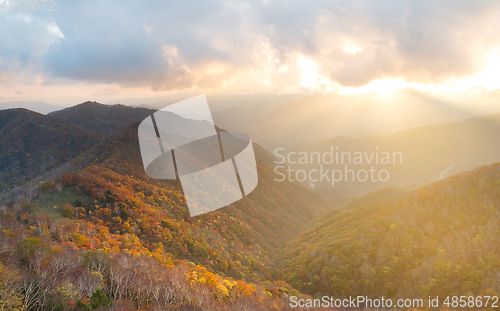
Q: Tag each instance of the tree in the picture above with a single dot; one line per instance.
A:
(68, 210)
(28, 207)
(10, 298)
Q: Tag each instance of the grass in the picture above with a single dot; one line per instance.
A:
(68, 195)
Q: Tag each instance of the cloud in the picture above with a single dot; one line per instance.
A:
(422, 41)
(26, 38)
(246, 45)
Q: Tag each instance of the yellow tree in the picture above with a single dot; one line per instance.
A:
(10, 298)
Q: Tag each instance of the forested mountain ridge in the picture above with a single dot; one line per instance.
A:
(32, 144)
(440, 240)
(36, 106)
(103, 119)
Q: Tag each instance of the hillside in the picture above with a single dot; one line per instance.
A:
(32, 144)
(102, 119)
(246, 235)
(102, 200)
(438, 241)
(417, 156)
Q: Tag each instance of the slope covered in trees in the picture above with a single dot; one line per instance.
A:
(441, 240)
(152, 209)
(103, 201)
(32, 144)
(38, 272)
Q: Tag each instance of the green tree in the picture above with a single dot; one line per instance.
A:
(68, 210)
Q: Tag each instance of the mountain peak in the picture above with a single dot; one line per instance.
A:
(103, 119)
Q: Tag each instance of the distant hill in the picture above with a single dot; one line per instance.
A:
(417, 156)
(35, 105)
(244, 115)
(102, 119)
(438, 241)
(316, 118)
(32, 144)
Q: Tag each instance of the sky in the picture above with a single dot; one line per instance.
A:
(109, 50)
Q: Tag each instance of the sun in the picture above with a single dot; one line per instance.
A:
(310, 76)
(489, 77)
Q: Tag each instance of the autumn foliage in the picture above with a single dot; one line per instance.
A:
(439, 241)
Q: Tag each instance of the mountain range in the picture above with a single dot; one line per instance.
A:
(317, 118)
(270, 215)
(415, 157)
(84, 225)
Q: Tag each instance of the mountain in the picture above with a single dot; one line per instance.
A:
(101, 212)
(37, 106)
(417, 156)
(317, 118)
(244, 115)
(246, 235)
(102, 119)
(438, 241)
(32, 144)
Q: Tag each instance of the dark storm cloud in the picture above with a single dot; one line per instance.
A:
(172, 44)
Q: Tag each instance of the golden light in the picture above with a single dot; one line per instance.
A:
(381, 86)
(489, 77)
(310, 76)
(352, 49)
